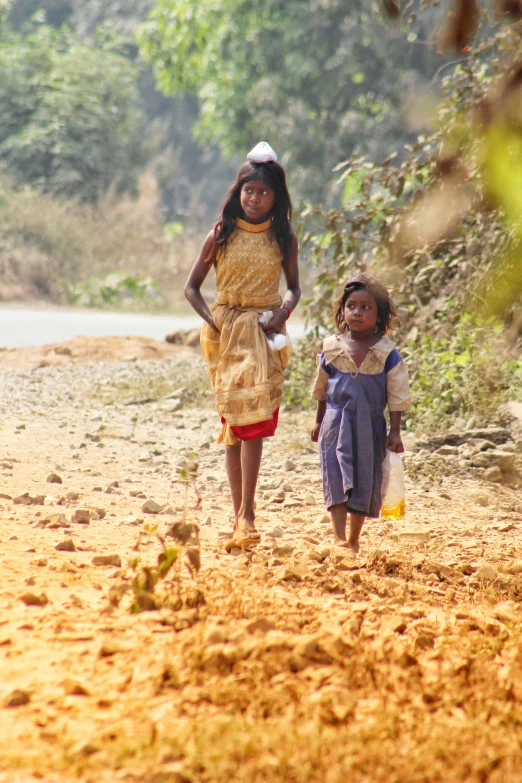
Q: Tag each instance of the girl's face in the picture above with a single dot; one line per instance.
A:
(360, 313)
(257, 199)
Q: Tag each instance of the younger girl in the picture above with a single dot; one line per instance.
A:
(359, 372)
(249, 246)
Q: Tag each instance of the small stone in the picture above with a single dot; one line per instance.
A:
(29, 499)
(83, 748)
(447, 451)
(276, 532)
(424, 642)
(74, 688)
(290, 465)
(278, 497)
(478, 497)
(31, 599)
(513, 567)
(261, 624)
(17, 698)
(493, 474)
(395, 624)
(414, 535)
(487, 573)
(136, 493)
(405, 660)
(173, 772)
(55, 521)
(151, 507)
(107, 560)
(504, 459)
(66, 546)
(215, 634)
(323, 519)
(258, 572)
(295, 573)
(54, 478)
(82, 516)
(283, 550)
(193, 338)
(346, 564)
(110, 647)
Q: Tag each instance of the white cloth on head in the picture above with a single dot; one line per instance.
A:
(262, 153)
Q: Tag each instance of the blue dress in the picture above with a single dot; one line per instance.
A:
(353, 432)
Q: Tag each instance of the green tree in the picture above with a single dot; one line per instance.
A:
(316, 79)
(69, 113)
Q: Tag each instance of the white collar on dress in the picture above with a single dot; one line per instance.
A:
(335, 345)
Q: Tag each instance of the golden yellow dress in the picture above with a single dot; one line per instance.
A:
(246, 375)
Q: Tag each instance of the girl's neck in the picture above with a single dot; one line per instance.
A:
(363, 339)
(257, 221)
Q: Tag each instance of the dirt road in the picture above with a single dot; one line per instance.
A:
(292, 662)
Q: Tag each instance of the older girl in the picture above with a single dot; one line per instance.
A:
(250, 245)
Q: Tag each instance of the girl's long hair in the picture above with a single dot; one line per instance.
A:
(274, 175)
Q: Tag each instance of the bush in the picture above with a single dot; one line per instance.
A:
(52, 248)
(300, 374)
(457, 246)
(471, 372)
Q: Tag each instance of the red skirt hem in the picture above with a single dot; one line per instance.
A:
(261, 429)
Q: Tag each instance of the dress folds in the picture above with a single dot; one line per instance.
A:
(245, 374)
(353, 431)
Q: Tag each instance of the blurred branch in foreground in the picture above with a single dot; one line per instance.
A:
(480, 161)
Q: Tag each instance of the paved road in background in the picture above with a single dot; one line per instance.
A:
(24, 327)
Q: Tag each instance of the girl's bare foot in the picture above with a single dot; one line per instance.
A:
(354, 546)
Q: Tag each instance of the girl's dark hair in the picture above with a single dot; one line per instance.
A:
(387, 315)
(274, 175)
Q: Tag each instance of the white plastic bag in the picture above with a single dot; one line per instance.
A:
(277, 341)
(394, 494)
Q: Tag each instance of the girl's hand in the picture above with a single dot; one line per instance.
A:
(393, 442)
(314, 434)
(213, 325)
(276, 323)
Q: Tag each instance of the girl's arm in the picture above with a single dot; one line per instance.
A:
(196, 278)
(293, 294)
(393, 440)
(319, 416)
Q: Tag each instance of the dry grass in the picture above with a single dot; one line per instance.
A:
(47, 244)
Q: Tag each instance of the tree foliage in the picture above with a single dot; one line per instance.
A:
(442, 228)
(316, 78)
(69, 113)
